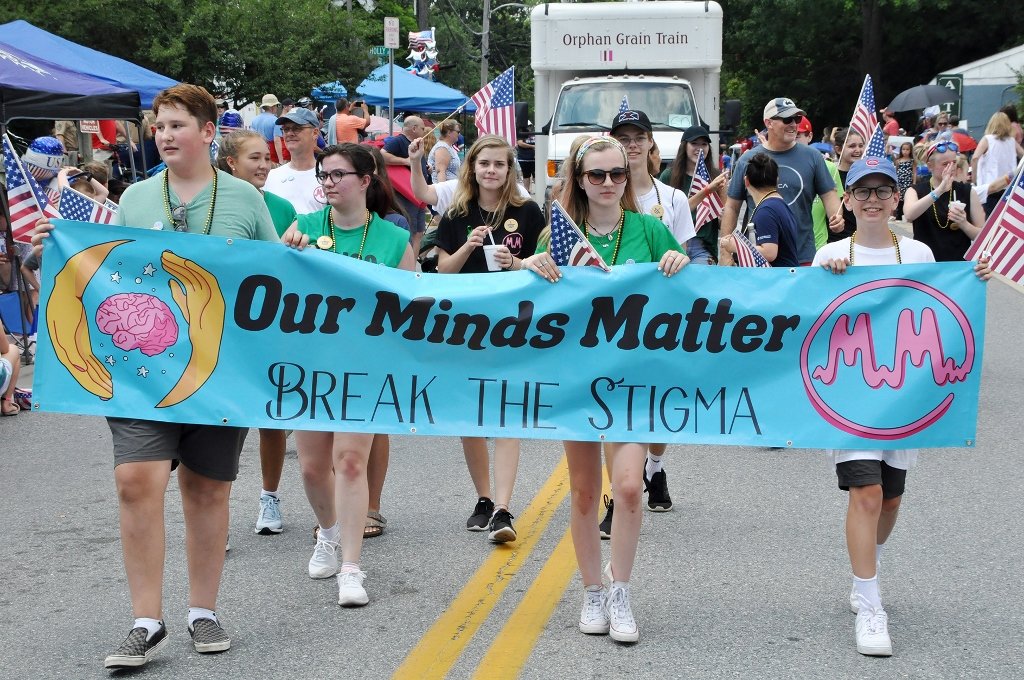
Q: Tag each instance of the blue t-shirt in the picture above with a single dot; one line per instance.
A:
(774, 223)
(264, 124)
(802, 176)
(399, 146)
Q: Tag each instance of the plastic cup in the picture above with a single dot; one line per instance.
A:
(957, 204)
(492, 262)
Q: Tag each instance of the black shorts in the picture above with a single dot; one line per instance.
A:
(209, 450)
(871, 472)
(529, 167)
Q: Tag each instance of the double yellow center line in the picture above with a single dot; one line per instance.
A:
(440, 648)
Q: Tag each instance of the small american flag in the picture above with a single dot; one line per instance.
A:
(746, 254)
(624, 104)
(876, 146)
(1003, 234)
(711, 207)
(26, 198)
(76, 206)
(864, 117)
(495, 107)
(568, 246)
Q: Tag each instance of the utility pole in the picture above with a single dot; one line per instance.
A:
(423, 14)
(485, 44)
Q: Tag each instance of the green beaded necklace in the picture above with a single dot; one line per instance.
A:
(209, 214)
(618, 238)
(334, 242)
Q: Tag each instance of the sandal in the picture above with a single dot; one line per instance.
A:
(9, 407)
(375, 524)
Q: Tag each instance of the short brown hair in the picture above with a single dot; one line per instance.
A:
(193, 98)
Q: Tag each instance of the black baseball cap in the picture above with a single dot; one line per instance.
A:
(637, 118)
(696, 132)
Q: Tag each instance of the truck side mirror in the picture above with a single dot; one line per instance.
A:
(732, 113)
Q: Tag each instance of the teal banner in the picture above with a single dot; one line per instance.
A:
(198, 329)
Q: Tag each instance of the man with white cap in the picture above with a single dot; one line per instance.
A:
(802, 176)
(265, 121)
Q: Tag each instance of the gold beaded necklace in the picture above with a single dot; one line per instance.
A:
(895, 244)
(334, 243)
(209, 214)
(618, 239)
(949, 223)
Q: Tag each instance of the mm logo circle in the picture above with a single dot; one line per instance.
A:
(864, 390)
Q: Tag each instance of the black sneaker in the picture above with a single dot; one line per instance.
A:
(606, 523)
(208, 636)
(658, 499)
(481, 516)
(501, 527)
(136, 648)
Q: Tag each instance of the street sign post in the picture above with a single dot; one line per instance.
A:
(955, 82)
(391, 43)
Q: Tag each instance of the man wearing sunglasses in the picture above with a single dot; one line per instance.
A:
(296, 180)
(803, 176)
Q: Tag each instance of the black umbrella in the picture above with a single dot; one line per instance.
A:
(922, 96)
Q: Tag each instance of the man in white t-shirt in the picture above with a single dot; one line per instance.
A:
(874, 479)
(296, 180)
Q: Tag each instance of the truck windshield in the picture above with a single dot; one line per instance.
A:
(593, 106)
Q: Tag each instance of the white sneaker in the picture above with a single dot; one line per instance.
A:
(593, 617)
(873, 631)
(268, 521)
(621, 624)
(324, 562)
(350, 589)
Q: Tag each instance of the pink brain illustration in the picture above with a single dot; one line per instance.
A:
(138, 321)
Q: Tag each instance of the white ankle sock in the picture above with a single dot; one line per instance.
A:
(878, 553)
(593, 589)
(151, 625)
(332, 534)
(653, 465)
(264, 492)
(867, 588)
(200, 613)
(348, 566)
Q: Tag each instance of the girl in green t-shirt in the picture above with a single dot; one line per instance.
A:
(335, 465)
(599, 197)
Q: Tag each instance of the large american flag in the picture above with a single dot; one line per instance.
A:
(26, 198)
(746, 254)
(876, 145)
(76, 206)
(569, 247)
(1003, 234)
(495, 107)
(864, 117)
(711, 207)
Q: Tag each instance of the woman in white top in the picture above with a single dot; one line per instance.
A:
(996, 156)
(444, 160)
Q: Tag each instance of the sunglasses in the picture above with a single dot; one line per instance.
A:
(943, 147)
(334, 175)
(798, 118)
(884, 193)
(179, 216)
(597, 177)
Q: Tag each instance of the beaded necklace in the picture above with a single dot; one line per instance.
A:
(949, 223)
(334, 244)
(763, 199)
(618, 239)
(895, 244)
(209, 214)
(657, 210)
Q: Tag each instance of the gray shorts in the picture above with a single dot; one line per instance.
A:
(416, 215)
(209, 450)
(871, 472)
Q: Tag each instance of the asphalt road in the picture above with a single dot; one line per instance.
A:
(746, 578)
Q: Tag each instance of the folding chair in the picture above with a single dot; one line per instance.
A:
(14, 324)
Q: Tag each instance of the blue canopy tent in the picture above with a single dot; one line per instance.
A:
(412, 93)
(329, 92)
(37, 42)
(32, 87)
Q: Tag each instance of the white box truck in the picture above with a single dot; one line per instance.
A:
(665, 57)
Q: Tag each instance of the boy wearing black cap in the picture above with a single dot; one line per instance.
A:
(874, 479)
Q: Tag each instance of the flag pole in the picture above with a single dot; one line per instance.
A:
(848, 129)
(446, 118)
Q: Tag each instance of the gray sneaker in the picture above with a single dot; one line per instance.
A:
(208, 636)
(269, 519)
(136, 648)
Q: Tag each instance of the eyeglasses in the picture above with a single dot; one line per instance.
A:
(335, 175)
(179, 216)
(798, 118)
(884, 193)
(943, 147)
(597, 177)
(291, 129)
(626, 141)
